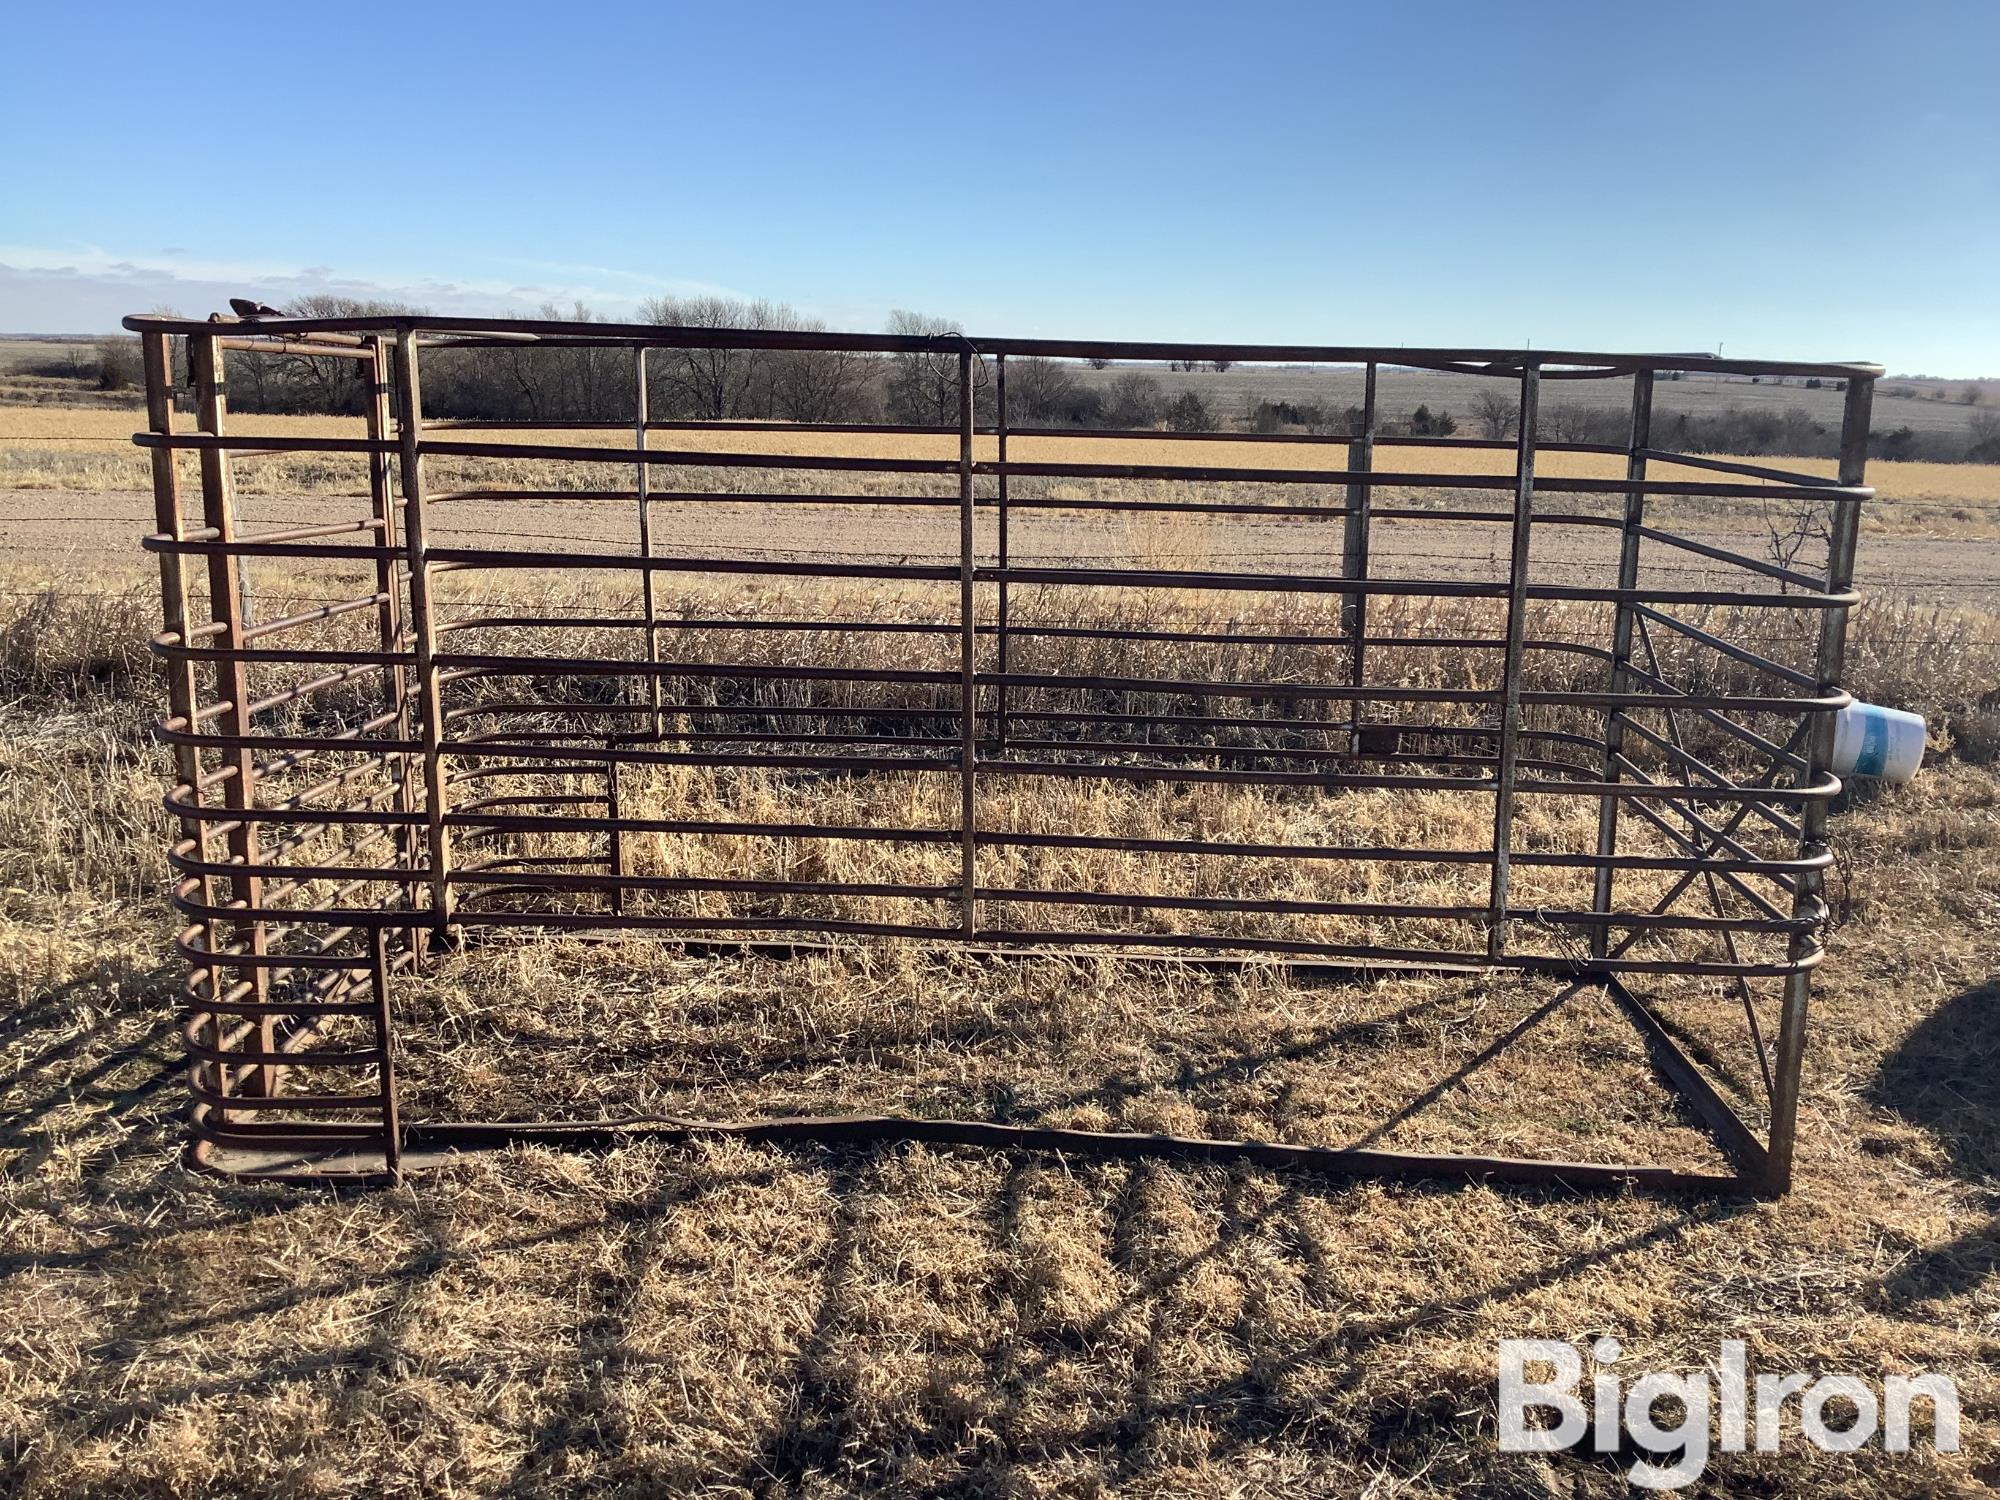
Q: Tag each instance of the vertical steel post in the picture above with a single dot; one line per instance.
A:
(614, 834)
(385, 1043)
(643, 487)
(1511, 669)
(409, 434)
(1844, 532)
(641, 415)
(1621, 651)
(177, 613)
(232, 679)
(1000, 438)
(968, 643)
(1354, 555)
(389, 616)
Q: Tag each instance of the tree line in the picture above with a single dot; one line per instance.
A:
(1746, 431)
(559, 383)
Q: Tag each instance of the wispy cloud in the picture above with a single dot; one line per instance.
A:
(87, 289)
(642, 281)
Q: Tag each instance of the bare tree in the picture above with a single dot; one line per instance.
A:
(1564, 422)
(1496, 415)
(711, 383)
(923, 384)
(118, 363)
(323, 383)
(537, 382)
(256, 383)
(295, 382)
(716, 382)
(820, 385)
(591, 383)
(1134, 401)
(1984, 431)
(1046, 392)
(176, 345)
(1791, 528)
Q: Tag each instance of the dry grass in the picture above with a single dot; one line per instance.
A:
(732, 1320)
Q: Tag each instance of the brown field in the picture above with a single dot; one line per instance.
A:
(75, 493)
(1930, 406)
(91, 449)
(732, 1320)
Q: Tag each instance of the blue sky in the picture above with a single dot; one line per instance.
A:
(1811, 180)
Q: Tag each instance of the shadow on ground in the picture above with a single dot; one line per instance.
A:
(952, 1321)
(1945, 1079)
(89, 1063)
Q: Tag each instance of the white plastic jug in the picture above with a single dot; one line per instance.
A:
(1869, 740)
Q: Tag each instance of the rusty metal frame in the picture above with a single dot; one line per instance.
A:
(306, 903)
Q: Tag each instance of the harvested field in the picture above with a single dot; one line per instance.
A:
(86, 450)
(70, 534)
(736, 1319)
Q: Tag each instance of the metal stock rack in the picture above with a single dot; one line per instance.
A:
(422, 762)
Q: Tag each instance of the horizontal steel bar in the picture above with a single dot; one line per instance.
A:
(660, 458)
(310, 347)
(248, 547)
(1057, 942)
(1127, 578)
(348, 1057)
(487, 557)
(681, 497)
(209, 442)
(295, 656)
(1424, 479)
(528, 752)
(599, 881)
(1672, 697)
(899, 429)
(466, 816)
(494, 665)
(1734, 559)
(1279, 583)
(654, 335)
(223, 819)
(1730, 466)
(308, 616)
(1729, 648)
(288, 1103)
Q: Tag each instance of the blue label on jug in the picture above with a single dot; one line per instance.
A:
(1874, 756)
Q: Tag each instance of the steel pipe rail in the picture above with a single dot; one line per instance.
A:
(652, 335)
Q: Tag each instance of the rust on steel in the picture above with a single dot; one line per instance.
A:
(443, 750)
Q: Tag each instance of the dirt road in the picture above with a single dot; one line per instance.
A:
(60, 535)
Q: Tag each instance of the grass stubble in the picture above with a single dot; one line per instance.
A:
(732, 1319)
